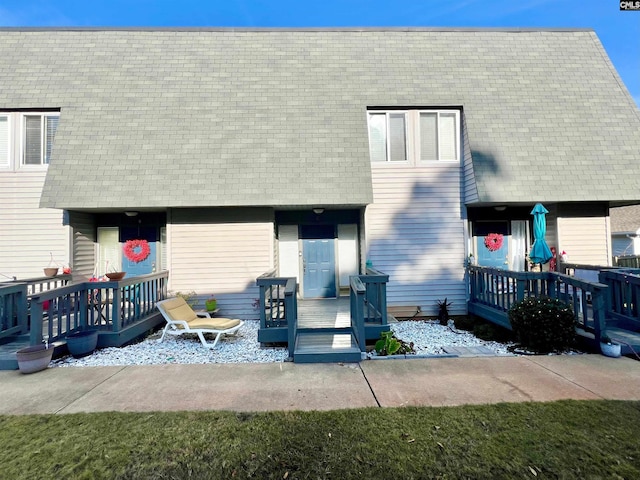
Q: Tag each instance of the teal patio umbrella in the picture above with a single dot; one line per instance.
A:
(540, 252)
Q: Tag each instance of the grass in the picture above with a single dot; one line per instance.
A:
(567, 439)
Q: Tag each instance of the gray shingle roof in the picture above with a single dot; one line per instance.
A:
(154, 118)
(625, 219)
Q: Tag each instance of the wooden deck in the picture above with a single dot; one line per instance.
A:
(324, 332)
(324, 313)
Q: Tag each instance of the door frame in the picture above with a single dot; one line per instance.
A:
(324, 236)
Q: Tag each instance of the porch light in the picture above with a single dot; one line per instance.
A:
(131, 214)
(500, 208)
(318, 211)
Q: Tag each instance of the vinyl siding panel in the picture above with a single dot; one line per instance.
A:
(29, 235)
(221, 253)
(415, 233)
(585, 239)
(83, 244)
(469, 179)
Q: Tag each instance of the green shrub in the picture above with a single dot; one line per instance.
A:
(543, 324)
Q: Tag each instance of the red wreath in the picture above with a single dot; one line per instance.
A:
(130, 247)
(493, 241)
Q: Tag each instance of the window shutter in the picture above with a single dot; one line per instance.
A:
(32, 140)
(4, 141)
(448, 140)
(51, 126)
(428, 136)
(378, 137)
(397, 137)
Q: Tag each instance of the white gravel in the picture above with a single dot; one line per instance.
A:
(429, 338)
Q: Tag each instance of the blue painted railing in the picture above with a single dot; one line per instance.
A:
(494, 291)
(13, 309)
(357, 293)
(278, 308)
(105, 306)
(375, 283)
(623, 296)
(15, 298)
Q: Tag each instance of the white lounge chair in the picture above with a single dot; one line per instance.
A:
(182, 319)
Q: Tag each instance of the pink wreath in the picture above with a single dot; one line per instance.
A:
(493, 241)
(142, 247)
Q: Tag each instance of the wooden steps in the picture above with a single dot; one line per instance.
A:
(326, 345)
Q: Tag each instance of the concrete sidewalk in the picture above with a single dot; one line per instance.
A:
(288, 386)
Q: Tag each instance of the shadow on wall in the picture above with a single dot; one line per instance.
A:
(238, 304)
(420, 242)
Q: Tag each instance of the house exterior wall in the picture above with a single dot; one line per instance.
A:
(83, 238)
(586, 239)
(416, 234)
(470, 187)
(29, 234)
(220, 252)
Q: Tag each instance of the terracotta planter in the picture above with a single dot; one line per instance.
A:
(115, 276)
(35, 358)
(51, 271)
(81, 344)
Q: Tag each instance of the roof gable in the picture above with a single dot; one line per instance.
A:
(241, 117)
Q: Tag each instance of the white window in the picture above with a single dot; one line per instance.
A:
(4, 141)
(414, 136)
(39, 131)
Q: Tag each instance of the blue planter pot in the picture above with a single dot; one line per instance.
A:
(81, 344)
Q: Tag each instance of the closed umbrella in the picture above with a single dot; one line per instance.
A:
(540, 251)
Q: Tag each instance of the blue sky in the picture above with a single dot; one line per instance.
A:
(618, 31)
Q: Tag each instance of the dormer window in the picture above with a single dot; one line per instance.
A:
(38, 135)
(414, 136)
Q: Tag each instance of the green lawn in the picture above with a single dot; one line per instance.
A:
(568, 439)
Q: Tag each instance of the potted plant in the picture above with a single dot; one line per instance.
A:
(35, 358)
(82, 343)
(211, 304)
(609, 348)
(443, 311)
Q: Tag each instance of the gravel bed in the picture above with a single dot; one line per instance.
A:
(428, 337)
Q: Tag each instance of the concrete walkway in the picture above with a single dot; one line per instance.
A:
(288, 386)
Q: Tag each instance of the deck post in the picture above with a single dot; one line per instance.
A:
(598, 302)
(291, 313)
(357, 299)
(35, 335)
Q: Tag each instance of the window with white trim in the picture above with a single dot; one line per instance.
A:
(4, 141)
(414, 136)
(27, 138)
(39, 131)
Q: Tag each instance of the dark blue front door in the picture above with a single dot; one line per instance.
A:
(319, 268)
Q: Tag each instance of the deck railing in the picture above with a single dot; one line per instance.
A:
(15, 298)
(375, 283)
(622, 296)
(13, 309)
(627, 261)
(357, 293)
(494, 291)
(105, 306)
(278, 308)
